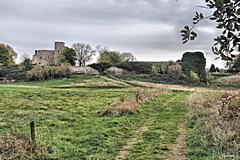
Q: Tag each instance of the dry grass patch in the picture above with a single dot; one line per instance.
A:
(218, 120)
(231, 81)
(179, 150)
(18, 146)
(92, 85)
(131, 105)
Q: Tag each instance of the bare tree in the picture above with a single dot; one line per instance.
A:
(128, 57)
(24, 56)
(84, 53)
(101, 49)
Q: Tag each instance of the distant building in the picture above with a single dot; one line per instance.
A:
(49, 57)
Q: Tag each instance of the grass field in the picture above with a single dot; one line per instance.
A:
(68, 124)
(232, 81)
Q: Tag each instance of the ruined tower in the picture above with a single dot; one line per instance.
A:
(49, 57)
(58, 49)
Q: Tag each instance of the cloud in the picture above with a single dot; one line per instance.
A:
(149, 28)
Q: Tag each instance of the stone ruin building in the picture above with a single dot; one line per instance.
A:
(49, 57)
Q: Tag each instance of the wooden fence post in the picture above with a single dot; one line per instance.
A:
(32, 131)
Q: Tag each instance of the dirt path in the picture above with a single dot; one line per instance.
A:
(123, 153)
(179, 150)
(181, 87)
(115, 81)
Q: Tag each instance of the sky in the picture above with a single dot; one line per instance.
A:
(150, 29)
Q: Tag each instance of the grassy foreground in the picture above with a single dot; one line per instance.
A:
(68, 123)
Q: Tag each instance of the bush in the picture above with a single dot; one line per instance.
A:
(48, 72)
(101, 67)
(216, 119)
(212, 68)
(114, 71)
(13, 72)
(19, 146)
(132, 105)
(144, 67)
(155, 70)
(194, 76)
(27, 64)
(84, 70)
(175, 69)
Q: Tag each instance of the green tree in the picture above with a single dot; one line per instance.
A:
(111, 57)
(68, 56)
(155, 70)
(7, 55)
(212, 68)
(27, 63)
(226, 13)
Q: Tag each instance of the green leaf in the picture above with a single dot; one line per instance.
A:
(187, 28)
(194, 34)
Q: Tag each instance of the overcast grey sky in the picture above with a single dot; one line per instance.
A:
(148, 28)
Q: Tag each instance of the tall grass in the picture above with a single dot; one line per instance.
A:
(228, 81)
(15, 145)
(215, 120)
(131, 105)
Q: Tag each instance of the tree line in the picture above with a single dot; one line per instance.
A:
(81, 53)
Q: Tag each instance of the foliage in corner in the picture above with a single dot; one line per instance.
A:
(227, 15)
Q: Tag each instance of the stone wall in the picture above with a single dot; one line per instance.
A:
(43, 57)
(49, 57)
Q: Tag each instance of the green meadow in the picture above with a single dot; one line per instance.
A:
(69, 126)
(67, 122)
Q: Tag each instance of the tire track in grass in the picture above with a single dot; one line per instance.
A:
(165, 115)
(130, 144)
(179, 150)
(123, 153)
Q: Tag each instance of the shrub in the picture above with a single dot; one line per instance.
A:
(194, 76)
(155, 70)
(27, 64)
(13, 72)
(111, 57)
(132, 105)
(48, 72)
(212, 68)
(144, 67)
(217, 69)
(216, 119)
(18, 146)
(84, 70)
(101, 67)
(114, 71)
(175, 69)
